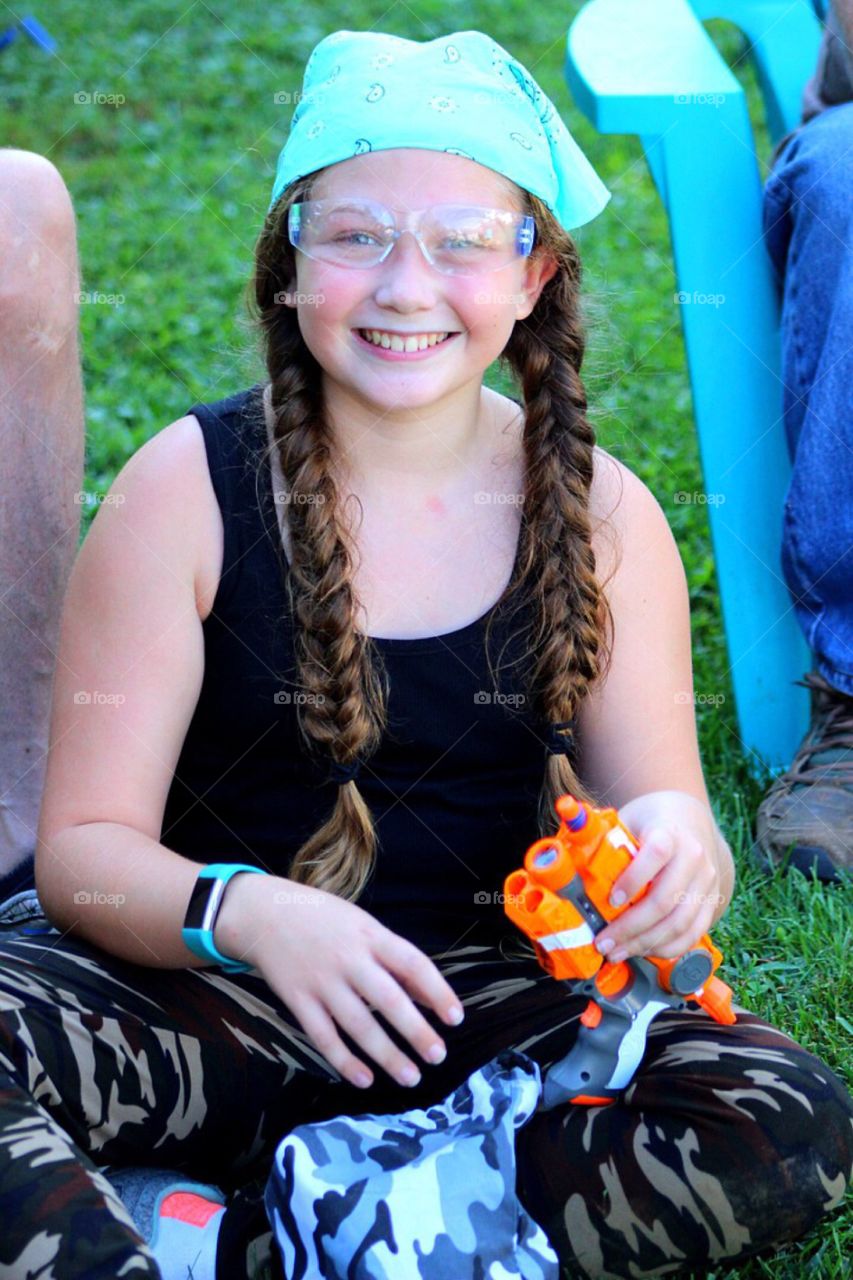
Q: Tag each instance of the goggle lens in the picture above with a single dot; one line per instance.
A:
(455, 239)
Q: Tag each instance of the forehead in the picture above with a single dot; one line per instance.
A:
(407, 177)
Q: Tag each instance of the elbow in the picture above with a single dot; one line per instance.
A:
(53, 873)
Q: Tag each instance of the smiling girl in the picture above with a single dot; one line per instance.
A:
(367, 621)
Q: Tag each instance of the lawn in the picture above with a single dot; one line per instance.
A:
(170, 163)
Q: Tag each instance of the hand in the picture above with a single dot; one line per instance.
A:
(678, 841)
(332, 963)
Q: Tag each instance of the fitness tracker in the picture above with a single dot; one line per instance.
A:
(205, 901)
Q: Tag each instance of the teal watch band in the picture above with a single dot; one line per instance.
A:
(203, 909)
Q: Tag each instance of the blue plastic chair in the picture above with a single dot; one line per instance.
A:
(649, 67)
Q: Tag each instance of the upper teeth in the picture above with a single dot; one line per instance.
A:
(399, 342)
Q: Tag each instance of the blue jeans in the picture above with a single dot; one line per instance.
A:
(808, 230)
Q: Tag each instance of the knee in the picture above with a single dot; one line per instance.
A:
(820, 179)
(794, 1117)
(38, 239)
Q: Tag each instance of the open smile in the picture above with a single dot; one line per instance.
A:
(391, 344)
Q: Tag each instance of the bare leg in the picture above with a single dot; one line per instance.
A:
(41, 448)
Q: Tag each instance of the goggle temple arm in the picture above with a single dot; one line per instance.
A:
(294, 221)
(525, 237)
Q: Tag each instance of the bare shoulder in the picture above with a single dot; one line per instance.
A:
(172, 465)
(625, 516)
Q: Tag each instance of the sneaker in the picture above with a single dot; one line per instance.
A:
(806, 818)
(192, 1232)
(177, 1218)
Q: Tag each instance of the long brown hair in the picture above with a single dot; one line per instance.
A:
(340, 670)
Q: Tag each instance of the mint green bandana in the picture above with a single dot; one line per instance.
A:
(462, 93)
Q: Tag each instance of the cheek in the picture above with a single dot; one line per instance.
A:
(490, 307)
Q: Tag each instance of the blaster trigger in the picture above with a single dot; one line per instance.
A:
(591, 1015)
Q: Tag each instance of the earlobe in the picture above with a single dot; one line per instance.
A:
(287, 296)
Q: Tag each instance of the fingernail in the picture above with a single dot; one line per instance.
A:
(362, 1079)
(456, 1014)
(617, 897)
(437, 1053)
(607, 944)
(620, 954)
(409, 1076)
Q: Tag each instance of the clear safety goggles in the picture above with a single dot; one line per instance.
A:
(455, 239)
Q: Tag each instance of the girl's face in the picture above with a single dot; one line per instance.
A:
(405, 295)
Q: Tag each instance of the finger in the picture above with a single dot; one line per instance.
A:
(671, 946)
(321, 1030)
(649, 942)
(656, 850)
(645, 914)
(381, 992)
(672, 935)
(417, 974)
(353, 1016)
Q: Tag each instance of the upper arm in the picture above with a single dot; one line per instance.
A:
(637, 726)
(131, 652)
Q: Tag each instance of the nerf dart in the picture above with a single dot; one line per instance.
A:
(561, 900)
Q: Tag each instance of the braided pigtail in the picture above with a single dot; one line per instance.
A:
(340, 672)
(556, 564)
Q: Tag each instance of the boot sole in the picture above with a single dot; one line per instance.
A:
(804, 858)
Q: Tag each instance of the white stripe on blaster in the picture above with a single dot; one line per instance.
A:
(566, 939)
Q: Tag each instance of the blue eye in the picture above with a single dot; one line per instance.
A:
(352, 237)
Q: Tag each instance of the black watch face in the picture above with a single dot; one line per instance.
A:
(198, 903)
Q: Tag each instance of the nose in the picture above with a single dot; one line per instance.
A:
(407, 281)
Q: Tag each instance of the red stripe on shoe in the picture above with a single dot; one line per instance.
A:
(189, 1208)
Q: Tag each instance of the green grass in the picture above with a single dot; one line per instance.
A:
(170, 189)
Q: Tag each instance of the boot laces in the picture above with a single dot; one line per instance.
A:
(831, 731)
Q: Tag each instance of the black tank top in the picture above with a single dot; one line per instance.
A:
(454, 784)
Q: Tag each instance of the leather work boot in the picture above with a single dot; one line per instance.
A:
(809, 808)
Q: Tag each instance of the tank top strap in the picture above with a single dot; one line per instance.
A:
(233, 442)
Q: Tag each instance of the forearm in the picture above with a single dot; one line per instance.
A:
(119, 889)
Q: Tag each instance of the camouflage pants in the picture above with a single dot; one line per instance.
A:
(729, 1140)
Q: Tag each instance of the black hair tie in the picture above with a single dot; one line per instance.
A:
(559, 743)
(342, 773)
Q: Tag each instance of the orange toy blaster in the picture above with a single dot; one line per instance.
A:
(561, 900)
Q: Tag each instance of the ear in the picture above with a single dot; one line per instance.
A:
(538, 271)
(286, 296)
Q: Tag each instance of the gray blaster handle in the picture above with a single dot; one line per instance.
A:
(603, 1059)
